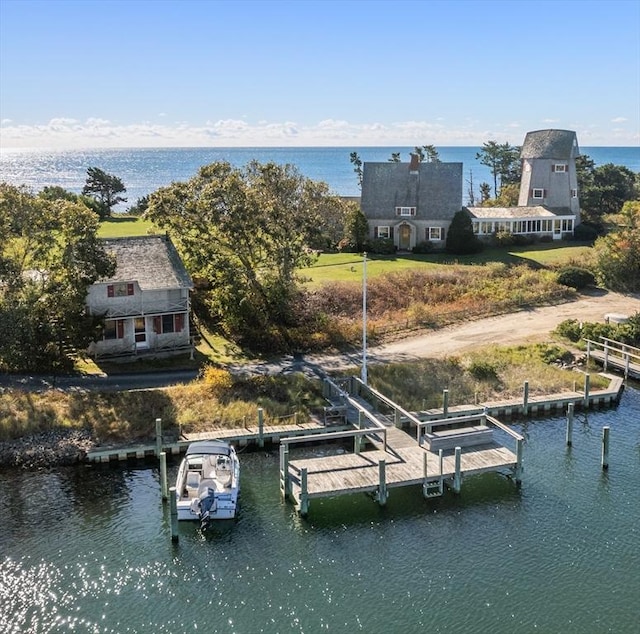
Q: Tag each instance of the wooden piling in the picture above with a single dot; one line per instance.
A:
(304, 492)
(163, 476)
(525, 398)
(158, 436)
(173, 498)
(457, 477)
(518, 470)
(587, 383)
(570, 408)
(285, 482)
(382, 486)
(605, 447)
(445, 403)
(260, 427)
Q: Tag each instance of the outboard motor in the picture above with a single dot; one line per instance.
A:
(207, 507)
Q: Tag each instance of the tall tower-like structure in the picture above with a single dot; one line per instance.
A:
(549, 171)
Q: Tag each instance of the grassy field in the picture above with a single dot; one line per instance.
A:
(122, 226)
(345, 267)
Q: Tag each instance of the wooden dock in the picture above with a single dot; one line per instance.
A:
(615, 356)
(396, 458)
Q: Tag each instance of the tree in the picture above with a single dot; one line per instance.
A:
(485, 192)
(618, 253)
(460, 238)
(395, 157)
(504, 162)
(356, 229)
(104, 188)
(246, 230)
(603, 190)
(356, 161)
(50, 255)
(427, 153)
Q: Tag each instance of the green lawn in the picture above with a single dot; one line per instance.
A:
(347, 267)
(122, 226)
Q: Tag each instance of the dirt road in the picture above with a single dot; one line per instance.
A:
(527, 326)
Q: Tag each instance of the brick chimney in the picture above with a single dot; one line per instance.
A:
(414, 165)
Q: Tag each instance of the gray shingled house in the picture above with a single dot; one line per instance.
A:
(145, 305)
(411, 203)
(548, 204)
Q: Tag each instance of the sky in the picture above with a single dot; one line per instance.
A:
(236, 73)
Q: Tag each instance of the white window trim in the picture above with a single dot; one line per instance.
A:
(560, 167)
(386, 229)
(438, 229)
(539, 190)
(405, 211)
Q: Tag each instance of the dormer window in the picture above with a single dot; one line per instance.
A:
(560, 167)
(405, 211)
(120, 289)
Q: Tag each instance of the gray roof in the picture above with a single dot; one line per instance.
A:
(515, 213)
(550, 144)
(152, 261)
(435, 189)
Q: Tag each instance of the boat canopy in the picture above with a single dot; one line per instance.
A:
(208, 447)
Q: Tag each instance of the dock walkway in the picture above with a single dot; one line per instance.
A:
(615, 355)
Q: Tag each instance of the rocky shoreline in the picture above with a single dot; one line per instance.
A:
(54, 448)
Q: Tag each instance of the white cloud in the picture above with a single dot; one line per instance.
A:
(619, 120)
(62, 133)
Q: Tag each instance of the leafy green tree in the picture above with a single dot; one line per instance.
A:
(140, 206)
(50, 255)
(504, 162)
(509, 194)
(617, 254)
(460, 238)
(356, 229)
(246, 230)
(604, 190)
(104, 188)
(485, 192)
(395, 157)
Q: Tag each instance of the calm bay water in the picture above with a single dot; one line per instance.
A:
(145, 170)
(89, 550)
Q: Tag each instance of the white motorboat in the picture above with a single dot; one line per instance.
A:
(208, 482)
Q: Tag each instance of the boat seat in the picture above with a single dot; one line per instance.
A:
(193, 482)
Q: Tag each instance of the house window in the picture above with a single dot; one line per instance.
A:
(405, 211)
(559, 167)
(164, 324)
(384, 232)
(574, 193)
(435, 233)
(567, 225)
(538, 193)
(120, 289)
(113, 329)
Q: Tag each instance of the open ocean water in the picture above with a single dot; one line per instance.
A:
(145, 170)
(88, 549)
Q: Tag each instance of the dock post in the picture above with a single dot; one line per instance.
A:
(357, 440)
(605, 448)
(396, 418)
(588, 351)
(457, 478)
(304, 493)
(163, 476)
(424, 475)
(587, 382)
(382, 485)
(445, 403)
(260, 427)
(570, 408)
(518, 471)
(483, 418)
(158, 436)
(525, 399)
(626, 366)
(605, 362)
(284, 471)
(173, 497)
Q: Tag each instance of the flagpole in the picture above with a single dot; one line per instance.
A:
(364, 319)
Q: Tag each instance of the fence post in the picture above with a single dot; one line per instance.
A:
(260, 427)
